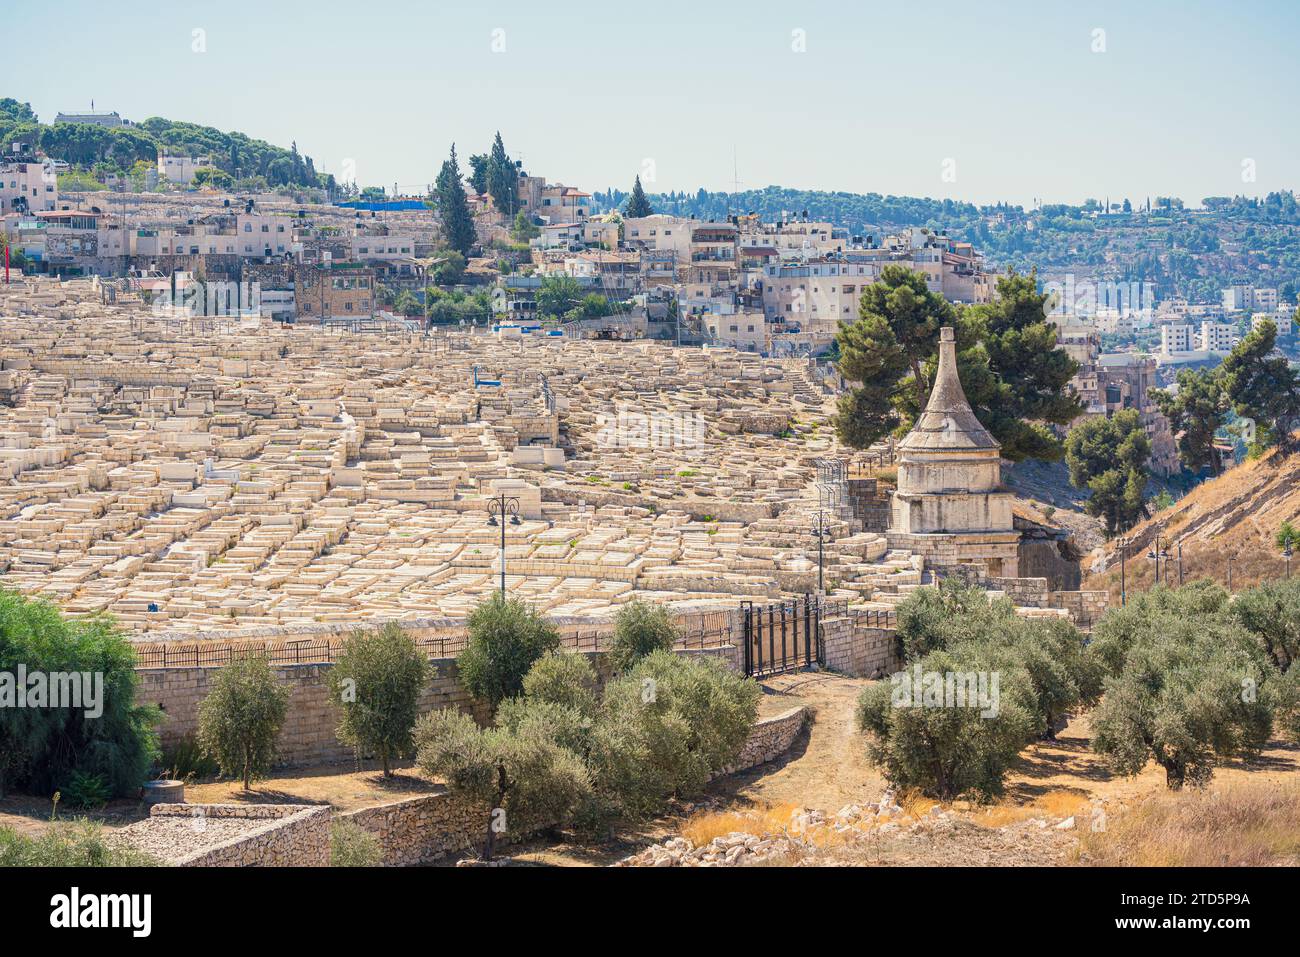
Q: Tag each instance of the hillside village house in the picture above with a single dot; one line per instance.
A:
(28, 183)
(181, 169)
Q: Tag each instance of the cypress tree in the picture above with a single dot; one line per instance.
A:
(637, 204)
(453, 207)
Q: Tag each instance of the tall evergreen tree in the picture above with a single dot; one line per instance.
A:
(1195, 413)
(1012, 371)
(478, 176)
(637, 204)
(453, 207)
(1108, 457)
(502, 179)
(1262, 386)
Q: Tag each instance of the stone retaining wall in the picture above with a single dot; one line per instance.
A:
(233, 835)
(308, 736)
(854, 648)
(770, 738)
(311, 719)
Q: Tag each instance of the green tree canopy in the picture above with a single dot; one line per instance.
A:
(241, 718)
(377, 682)
(1262, 386)
(1108, 457)
(1196, 411)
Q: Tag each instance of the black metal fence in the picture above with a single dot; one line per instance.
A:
(783, 636)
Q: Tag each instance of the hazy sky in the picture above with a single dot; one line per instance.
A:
(977, 101)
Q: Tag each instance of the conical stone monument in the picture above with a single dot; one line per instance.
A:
(950, 506)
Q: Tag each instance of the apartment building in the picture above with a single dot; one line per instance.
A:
(1218, 337)
(1177, 337)
(563, 204)
(1242, 297)
(1282, 321)
(28, 182)
(815, 296)
(333, 291)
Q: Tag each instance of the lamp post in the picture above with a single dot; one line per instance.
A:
(1123, 584)
(1154, 555)
(820, 531)
(1229, 574)
(506, 508)
(1286, 554)
(1180, 564)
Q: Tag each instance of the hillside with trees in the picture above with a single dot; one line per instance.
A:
(1185, 251)
(118, 149)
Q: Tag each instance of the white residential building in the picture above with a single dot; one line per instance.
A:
(181, 169)
(1217, 337)
(1177, 337)
(29, 186)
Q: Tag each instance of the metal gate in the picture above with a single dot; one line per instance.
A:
(784, 636)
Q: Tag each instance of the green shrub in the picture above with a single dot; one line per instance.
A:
(521, 780)
(948, 749)
(85, 791)
(41, 747)
(666, 727)
(640, 628)
(505, 638)
(187, 761)
(927, 616)
(563, 678)
(351, 845)
(71, 844)
(241, 718)
(1284, 700)
(377, 682)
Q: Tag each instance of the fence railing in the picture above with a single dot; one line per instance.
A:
(698, 632)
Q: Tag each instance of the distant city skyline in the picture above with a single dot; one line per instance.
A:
(952, 101)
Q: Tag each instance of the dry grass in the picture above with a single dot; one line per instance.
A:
(1234, 824)
(762, 821)
(1052, 805)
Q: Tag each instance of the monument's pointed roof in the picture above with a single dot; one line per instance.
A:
(948, 422)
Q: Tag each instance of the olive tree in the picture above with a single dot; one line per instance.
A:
(933, 741)
(520, 779)
(640, 628)
(1188, 695)
(505, 637)
(240, 719)
(377, 682)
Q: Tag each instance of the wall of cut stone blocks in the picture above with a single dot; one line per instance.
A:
(309, 734)
(855, 648)
(233, 835)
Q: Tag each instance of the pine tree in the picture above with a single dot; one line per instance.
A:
(453, 207)
(637, 204)
(1262, 386)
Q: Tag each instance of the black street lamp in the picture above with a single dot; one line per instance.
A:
(1286, 554)
(507, 508)
(1154, 555)
(820, 530)
(1123, 583)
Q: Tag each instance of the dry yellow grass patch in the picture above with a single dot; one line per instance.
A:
(1230, 823)
(1053, 804)
(707, 825)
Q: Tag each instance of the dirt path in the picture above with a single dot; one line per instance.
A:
(827, 768)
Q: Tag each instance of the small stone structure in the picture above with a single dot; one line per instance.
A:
(233, 835)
